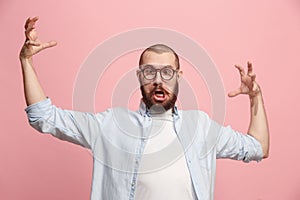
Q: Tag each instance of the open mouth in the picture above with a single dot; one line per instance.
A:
(159, 95)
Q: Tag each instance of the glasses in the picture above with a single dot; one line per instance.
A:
(166, 73)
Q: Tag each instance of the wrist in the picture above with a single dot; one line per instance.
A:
(25, 60)
(256, 95)
(256, 92)
(256, 99)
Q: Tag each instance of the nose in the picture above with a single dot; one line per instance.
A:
(157, 79)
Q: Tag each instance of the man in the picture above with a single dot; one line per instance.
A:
(158, 152)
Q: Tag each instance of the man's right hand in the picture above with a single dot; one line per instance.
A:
(32, 44)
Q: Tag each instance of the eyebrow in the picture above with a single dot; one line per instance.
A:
(153, 66)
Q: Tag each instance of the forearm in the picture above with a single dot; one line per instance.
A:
(258, 127)
(32, 89)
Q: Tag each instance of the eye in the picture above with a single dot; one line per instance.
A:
(149, 70)
(167, 71)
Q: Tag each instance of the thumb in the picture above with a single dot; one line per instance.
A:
(49, 44)
(234, 93)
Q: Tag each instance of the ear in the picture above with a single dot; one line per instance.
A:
(179, 75)
(138, 74)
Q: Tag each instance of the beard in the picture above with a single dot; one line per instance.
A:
(159, 107)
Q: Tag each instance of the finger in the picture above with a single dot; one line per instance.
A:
(49, 44)
(255, 87)
(234, 93)
(27, 22)
(33, 43)
(250, 68)
(30, 22)
(28, 30)
(31, 34)
(252, 76)
(241, 70)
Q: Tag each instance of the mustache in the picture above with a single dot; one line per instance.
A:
(159, 87)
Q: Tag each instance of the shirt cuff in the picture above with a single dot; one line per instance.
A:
(38, 105)
(36, 110)
(256, 153)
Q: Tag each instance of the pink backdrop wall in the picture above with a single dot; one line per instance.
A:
(35, 166)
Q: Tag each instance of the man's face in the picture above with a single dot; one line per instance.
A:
(159, 94)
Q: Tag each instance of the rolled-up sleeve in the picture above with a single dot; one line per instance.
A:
(72, 126)
(238, 146)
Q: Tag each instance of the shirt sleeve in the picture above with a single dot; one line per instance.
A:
(72, 126)
(238, 146)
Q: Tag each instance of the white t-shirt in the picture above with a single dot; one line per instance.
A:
(170, 181)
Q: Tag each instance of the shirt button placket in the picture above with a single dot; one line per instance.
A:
(133, 185)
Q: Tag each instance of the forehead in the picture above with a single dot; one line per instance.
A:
(162, 59)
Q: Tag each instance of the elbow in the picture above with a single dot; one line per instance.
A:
(265, 150)
(264, 143)
(265, 154)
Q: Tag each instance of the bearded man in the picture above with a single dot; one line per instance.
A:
(157, 152)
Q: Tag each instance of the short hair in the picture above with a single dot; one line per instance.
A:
(159, 49)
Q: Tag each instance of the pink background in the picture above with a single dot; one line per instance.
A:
(35, 166)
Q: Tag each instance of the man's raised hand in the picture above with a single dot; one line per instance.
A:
(32, 43)
(248, 84)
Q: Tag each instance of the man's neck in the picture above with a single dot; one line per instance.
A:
(158, 109)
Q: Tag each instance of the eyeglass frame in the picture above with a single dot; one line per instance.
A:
(157, 70)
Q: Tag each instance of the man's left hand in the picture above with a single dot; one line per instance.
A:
(248, 84)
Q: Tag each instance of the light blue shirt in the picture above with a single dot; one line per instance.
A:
(117, 138)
